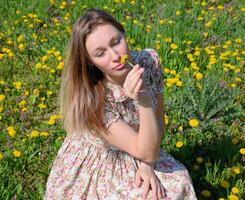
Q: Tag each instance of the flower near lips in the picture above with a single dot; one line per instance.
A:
(124, 59)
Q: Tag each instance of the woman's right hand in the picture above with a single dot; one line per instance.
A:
(134, 83)
(145, 174)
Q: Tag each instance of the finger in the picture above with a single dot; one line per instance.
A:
(133, 74)
(146, 187)
(136, 76)
(159, 191)
(138, 86)
(132, 80)
(132, 71)
(154, 188)
(163, 191)
(137, 179)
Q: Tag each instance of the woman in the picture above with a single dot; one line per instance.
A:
(113, 116)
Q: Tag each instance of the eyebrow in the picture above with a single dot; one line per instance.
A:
(112, 39)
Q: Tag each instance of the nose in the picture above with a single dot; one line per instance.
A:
(115, 55)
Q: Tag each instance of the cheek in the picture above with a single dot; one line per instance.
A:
(102, 64)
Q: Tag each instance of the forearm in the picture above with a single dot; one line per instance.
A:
(149, 137)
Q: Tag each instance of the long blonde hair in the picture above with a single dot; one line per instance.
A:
(81, 97)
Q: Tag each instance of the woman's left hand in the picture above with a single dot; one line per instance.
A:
(146, 174)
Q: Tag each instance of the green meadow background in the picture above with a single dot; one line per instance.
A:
(201, 46)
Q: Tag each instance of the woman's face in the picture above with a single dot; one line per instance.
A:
(105, 46)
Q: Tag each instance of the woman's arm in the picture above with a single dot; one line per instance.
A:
(145, 144)
(150, 135)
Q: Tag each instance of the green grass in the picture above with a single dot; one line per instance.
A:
(216, 100)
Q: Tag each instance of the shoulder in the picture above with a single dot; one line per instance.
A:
(146, 58)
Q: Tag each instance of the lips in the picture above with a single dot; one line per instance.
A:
(119, 66)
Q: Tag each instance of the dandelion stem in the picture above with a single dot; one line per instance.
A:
(130, 64)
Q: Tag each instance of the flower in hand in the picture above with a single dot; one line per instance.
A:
(124, 59)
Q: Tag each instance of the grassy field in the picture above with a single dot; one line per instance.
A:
(201, 45)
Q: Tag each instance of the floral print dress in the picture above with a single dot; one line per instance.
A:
(88, 167)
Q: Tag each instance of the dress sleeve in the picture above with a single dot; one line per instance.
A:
(110, 113)
(156, 71)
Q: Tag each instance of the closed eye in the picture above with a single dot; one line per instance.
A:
(116, 41)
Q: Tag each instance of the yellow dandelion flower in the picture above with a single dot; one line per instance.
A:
(52, 1)
(2, 97)
(22, 103)
(26, 93)
(38, 65)
(193, 122)
(17, 85)
(124, 59)
(166, 119)
(197, 53)
(209, 23)
(238, 40)
(36, 92)
(237, 79)
(21, 46)
(49, 92)
(237, 70)
(17, 153)
(161, 21)
(60, 65)
(179, 83)
(173, 72)
(171, 81)
(199, 160)
(20, 39)
(199, 76)
(173, 46)
(1, 56)
(166, 70)
(206, 193)
(177, 12)
(169, 40)
(242, 151)
(45, 134)
(180, 128)
(11, 131)
(34, 134)
(44, 58)
(168, 84)
(233, 85)
(205, 34)
(51, 121)
(59, 58)
(225, 184)
(179, 144)
(41, 106)
(235, 190)
(233, 197)
(1, 156)
(236, 170)
(24, 109)
(220, 7)
(57, 53)
(234, 141)
(170, 22)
